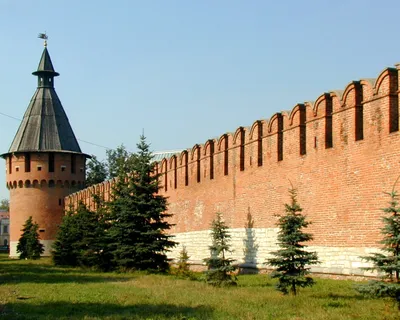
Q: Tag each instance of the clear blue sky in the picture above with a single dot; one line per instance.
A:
(186, 71)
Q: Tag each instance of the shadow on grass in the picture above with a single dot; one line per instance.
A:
(334, 296)
(75, 311)
(255, 285)
(15, 271)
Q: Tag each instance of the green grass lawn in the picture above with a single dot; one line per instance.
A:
(38, 290)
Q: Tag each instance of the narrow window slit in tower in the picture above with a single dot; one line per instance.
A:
(51, 162)
(27, 162)
(73, 163)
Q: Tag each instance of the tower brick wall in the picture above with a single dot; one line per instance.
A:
(36, 191)
(341, 153)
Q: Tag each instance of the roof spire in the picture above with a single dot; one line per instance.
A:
(44, 37)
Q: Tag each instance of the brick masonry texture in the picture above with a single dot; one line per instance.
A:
(39, 193)
(340, 152)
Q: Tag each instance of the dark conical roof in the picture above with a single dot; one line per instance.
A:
(45, 126)
(45, 64)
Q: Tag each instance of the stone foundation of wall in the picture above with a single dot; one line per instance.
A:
(251, 248)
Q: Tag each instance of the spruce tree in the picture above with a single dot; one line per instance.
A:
(138, 216)
(81, 239)
(183, 267)
(64, 252)
(387, 262)
(29, 246)
(220, 268)
(291, 259)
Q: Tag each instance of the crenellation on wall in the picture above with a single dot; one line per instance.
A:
(340, 152)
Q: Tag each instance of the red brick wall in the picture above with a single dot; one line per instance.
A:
(40, 193)
(340, 177)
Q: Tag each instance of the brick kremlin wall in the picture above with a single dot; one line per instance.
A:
(340, 152)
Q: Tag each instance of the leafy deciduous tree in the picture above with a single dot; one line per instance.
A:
(292, 259)
(119, 162)
(5, 204)
(96, 171)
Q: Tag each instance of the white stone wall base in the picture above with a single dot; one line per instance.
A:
(252, 247)
(47, 248)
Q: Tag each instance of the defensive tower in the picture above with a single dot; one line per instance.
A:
(44, 163)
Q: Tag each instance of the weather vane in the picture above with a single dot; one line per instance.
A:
(44, 37)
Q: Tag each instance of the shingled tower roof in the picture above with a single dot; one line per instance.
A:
(45, 126)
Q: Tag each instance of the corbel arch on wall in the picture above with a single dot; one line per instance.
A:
(223, 144)
(196, 153)
(257, 128)
(184, 161)
(354, 89)
(164, 170)
(173, 165)
(393, 92)
(210, 144)
(239, 136)
(278, 118)
(300, 110)
(327, 115)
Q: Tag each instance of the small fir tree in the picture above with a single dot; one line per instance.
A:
(220, 268)
(81, 239)
(29, 246)
(291, 259)
(64, 251)
(183, 267)
(138, 216)
(387, 262)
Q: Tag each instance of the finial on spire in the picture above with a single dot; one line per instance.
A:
(43, 36)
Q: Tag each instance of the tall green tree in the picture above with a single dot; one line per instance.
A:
(81, 239)
(96, 171)
(220, 268)
(5, 204)
(29, 246)
(138, 216)
(292, 260)
(119, 161)
(387, 262)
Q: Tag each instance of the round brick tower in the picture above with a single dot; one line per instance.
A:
(44, 163)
